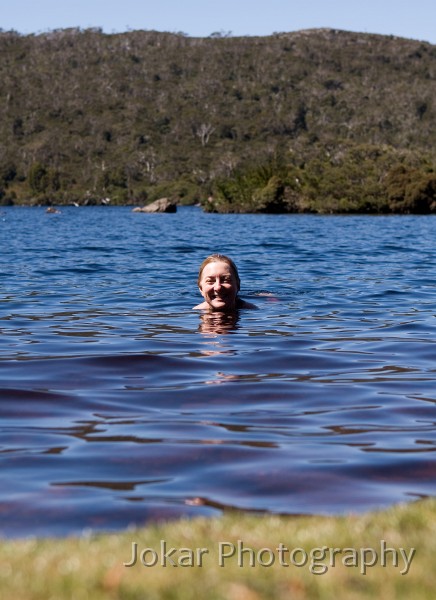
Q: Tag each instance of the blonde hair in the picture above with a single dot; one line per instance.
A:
(219, 258)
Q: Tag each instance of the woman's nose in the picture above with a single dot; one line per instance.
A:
(217, 284)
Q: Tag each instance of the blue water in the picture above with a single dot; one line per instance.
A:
(120, 405)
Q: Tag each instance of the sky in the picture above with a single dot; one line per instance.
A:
(415, 19)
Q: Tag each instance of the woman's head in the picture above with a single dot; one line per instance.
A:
(219, 282)
(219, 258)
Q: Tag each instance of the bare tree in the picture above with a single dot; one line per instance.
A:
(204, 131)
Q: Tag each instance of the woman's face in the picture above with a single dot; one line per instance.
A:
(218, 286)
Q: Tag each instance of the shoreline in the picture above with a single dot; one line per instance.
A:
(380, 553)
(57, 208)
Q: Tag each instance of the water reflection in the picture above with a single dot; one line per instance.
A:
(216, 323)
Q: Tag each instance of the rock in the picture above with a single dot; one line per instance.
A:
(162, 205)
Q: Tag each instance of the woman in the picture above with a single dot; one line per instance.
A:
(219, 284)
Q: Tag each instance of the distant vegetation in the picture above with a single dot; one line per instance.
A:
(311, 121)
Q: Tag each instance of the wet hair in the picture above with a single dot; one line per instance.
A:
(219, 258)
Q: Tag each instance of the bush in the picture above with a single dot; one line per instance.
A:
(411, 190)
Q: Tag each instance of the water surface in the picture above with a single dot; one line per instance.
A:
(120, 405)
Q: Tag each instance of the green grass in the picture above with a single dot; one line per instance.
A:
(92, 567)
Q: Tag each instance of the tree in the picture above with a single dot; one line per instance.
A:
(204, 131)
(37, 178)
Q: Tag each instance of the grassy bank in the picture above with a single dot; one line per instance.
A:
(337, 557)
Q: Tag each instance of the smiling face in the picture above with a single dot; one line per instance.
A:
(218, 286)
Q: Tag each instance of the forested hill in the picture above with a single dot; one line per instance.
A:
(259, 123)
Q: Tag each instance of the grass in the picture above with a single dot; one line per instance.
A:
(92, 567)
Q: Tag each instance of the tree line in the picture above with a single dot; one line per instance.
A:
(316, 120)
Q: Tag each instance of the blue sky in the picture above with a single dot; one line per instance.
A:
(414, 19)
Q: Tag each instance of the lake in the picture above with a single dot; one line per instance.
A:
(120, 405)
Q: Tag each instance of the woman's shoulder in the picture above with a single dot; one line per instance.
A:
(244, 304)
(201, 306)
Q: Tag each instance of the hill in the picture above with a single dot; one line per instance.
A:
(319, 120)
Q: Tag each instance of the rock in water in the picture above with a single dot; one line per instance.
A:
(162, 205)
